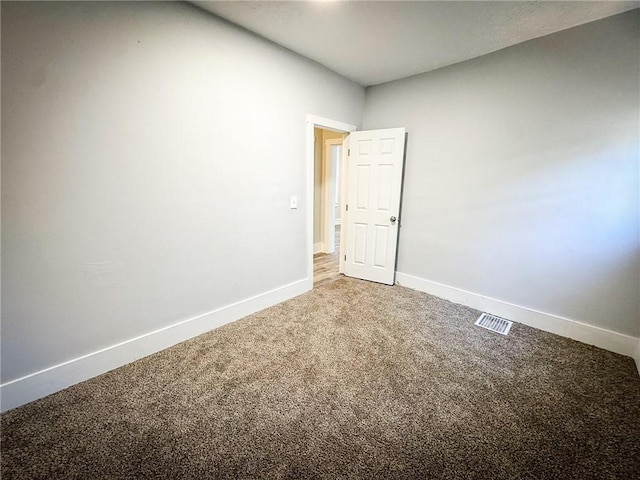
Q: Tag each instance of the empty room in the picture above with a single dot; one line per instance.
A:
(323, 239)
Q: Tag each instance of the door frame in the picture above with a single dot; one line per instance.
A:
(313, 121)
(328, 208)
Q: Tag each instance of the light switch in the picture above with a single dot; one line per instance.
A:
(294, 202)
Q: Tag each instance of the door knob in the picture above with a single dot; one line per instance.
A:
(393, 219)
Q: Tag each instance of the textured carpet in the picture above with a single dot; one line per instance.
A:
(351, 380)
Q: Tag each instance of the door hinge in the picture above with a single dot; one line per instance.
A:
(345, 258)
(348, 152)
(347, 207)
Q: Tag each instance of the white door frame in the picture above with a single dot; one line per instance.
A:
(328, 208)
(312, 122)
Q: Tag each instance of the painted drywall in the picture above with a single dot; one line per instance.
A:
(145, 175)
(330, 134)
(521, 181)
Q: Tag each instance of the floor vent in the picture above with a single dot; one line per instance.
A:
(493, 323)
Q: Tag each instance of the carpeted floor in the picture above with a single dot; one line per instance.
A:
(351, 380)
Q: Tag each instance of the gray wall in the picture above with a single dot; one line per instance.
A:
(522, 173)
(149, 151)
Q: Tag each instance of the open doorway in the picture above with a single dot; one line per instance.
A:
(372, 174)
(336, 130)
(328, 147)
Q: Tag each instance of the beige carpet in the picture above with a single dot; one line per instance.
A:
(352, 380)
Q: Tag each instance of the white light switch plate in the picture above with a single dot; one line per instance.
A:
(294, 202)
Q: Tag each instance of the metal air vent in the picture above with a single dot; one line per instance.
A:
(493, 323)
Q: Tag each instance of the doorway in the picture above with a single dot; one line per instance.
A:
(374, 165)
(327, 205)
(323, 238)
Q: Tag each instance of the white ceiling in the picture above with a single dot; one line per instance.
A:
(373, 42)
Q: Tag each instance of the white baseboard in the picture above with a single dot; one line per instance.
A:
(58, 377)
(636, 356)
(583, 332)
(318, 247)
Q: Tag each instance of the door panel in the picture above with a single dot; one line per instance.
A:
(360, 244)
(362, 186)
(374, 185)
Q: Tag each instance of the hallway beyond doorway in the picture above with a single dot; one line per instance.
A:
(326, 266)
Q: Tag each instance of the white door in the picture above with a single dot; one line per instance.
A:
(374, 182)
